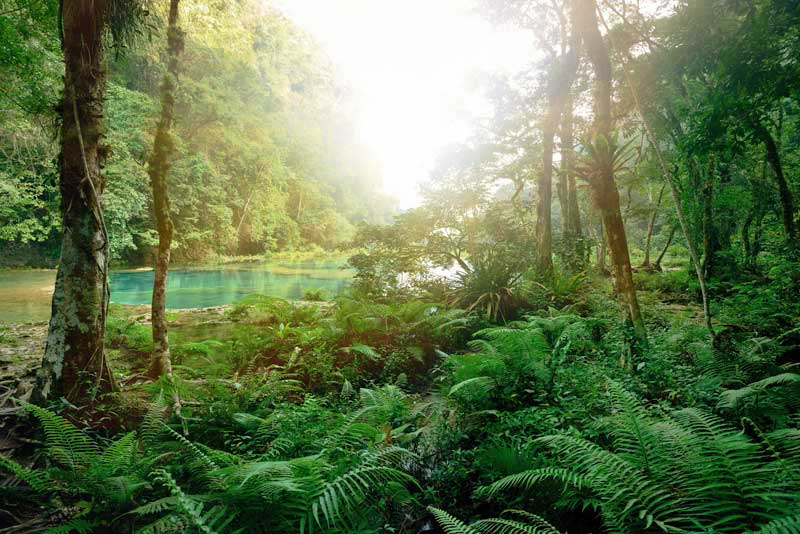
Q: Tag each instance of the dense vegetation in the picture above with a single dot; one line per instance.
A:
(621, 358)
(267, 158)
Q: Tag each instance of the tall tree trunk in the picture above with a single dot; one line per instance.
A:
(603, 187)
(675, 192)
(561, 76)
(784, 193)
(570, 212)
(158, 169)
(657, 264)
(746, 244)
(650, 227)
(74, 364)
(600, 251)
(544, 228)
(709, 232)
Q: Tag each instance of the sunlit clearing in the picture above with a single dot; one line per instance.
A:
(414, 68)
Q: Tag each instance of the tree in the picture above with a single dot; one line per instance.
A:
(601, 178)
(74, 364)
(568, 191)
(158, 169)
(646, 265)
(562, 73)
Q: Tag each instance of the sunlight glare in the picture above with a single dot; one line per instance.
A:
(412, 67)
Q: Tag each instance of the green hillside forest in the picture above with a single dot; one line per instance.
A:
(349, 267)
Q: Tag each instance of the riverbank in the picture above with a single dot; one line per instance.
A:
(25, 294)
(127, 340)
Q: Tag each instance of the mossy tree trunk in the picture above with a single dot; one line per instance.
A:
(74, 364)
(784, 192)
(158, 169)
(602, 185)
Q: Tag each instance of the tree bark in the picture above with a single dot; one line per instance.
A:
(570, 212)
(650, 228)
(709, 233)
(784, 193)
(561, 76)
(657, 264)
(602, 185)
(158, 169)
(676, 197)
(746, 245)
(74, 364)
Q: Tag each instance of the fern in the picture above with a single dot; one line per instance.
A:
(732, 399)
(37, 480)
(450, 524)
(365, 350)
(156, 507)
(65, 444)
(354, 432)
(152, 424)
(784, 525)
(677, 474)
(389, 401)
(75, 526)
(341, 498)
(471, 388)
(202, 460)
(509, 526)
(210, 521)
(120, 456)
(532, 524)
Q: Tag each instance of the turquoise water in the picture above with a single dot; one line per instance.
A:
(25, 295)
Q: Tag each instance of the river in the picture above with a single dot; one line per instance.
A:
(25, 294)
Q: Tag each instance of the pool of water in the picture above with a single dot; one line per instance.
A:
(25, 295)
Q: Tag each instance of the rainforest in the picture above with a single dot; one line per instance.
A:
(351, 266)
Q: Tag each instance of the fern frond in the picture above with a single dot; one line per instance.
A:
(365, 350)
(66, 444)
(75, 526)
(267, 480)
(341, 497)
(787, 442)
(191, 509)
(156, 507)
(783, 525)
(37, 480)
(119, 456)
(472, 387)
(450, 524)
(388, 456)
(631, 429)
(730, 399)
(354, 432)
(120, 489)
(207, 463)
(531, 478)
(154, 419)
(501, 525)
(169, 524)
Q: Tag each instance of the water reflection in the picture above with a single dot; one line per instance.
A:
(25, 295)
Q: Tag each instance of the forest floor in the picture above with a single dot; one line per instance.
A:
(22, 345)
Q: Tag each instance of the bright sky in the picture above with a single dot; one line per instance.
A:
(412, 66)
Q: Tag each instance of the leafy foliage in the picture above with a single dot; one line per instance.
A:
(690, 470)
